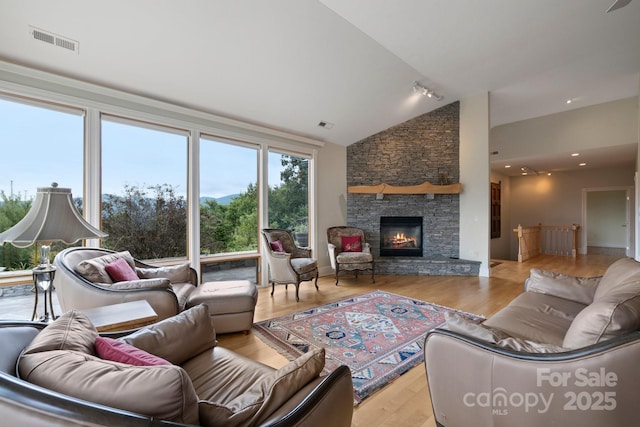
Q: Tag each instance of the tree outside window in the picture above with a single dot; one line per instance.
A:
(144, 185)
(289, 198)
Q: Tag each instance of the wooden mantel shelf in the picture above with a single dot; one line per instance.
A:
(424, 188)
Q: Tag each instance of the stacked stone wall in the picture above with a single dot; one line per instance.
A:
(425, 148)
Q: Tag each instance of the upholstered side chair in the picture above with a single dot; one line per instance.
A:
(348, 251)
(288, 263)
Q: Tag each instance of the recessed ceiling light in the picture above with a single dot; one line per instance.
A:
(575, 154)
(549, 174)
(568, 101)
(582, 164)
(507, 166)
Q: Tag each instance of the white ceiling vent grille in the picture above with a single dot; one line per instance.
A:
(325, 124)
(54, 39)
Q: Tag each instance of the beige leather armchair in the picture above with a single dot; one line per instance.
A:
(56, 378)
(167, 296)
(288, 263)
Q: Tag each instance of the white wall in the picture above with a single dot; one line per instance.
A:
(331, 201)
(604, 125)
(557, 199)
(474, 176)
(607, 217)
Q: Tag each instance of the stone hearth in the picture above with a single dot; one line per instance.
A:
(432, 266)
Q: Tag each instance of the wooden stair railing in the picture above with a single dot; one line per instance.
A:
(546, 239)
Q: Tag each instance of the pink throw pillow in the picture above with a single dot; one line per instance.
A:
(120, 271)
(351, 244)
(277, 246)
(118, 351)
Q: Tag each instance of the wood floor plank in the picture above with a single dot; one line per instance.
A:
(406, 401)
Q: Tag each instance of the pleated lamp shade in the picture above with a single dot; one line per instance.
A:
(52, 218)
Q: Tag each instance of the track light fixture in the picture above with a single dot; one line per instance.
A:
(425, 91)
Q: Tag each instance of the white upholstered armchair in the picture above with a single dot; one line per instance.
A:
(288, 263)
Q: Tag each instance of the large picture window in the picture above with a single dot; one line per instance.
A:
(41, 144)
(228, 197)
(152, 176)
(144, 189)
(289, 194)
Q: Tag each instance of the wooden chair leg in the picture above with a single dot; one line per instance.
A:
(317, 288)
(297, 289)
(273, 287)
(337, 270)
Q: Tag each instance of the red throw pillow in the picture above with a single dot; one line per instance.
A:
(120, 271)
(277, 246)
(118, 351)
(351, 244)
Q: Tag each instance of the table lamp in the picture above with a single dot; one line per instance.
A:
(52, 218)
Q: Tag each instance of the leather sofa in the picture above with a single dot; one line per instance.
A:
(56, 375)
(564, 352)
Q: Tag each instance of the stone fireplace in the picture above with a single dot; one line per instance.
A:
(425, 148)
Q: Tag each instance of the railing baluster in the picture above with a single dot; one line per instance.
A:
(548, 239)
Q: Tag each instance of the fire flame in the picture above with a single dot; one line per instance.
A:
(401, 238)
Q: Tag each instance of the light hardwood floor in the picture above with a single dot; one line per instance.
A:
(406, 401)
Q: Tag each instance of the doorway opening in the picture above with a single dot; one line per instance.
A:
(606, 226)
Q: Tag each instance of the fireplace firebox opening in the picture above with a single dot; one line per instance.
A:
(401, 236)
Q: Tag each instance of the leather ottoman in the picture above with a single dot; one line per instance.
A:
(231, 304)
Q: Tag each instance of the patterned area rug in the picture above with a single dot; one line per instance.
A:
(378, 335)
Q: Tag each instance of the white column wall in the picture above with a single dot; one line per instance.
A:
(331, 198)
(475, 179)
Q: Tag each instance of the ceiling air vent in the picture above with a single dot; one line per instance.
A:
(325, 124)
(54, 39)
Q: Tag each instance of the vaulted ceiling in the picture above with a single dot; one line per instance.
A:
(290, 64)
